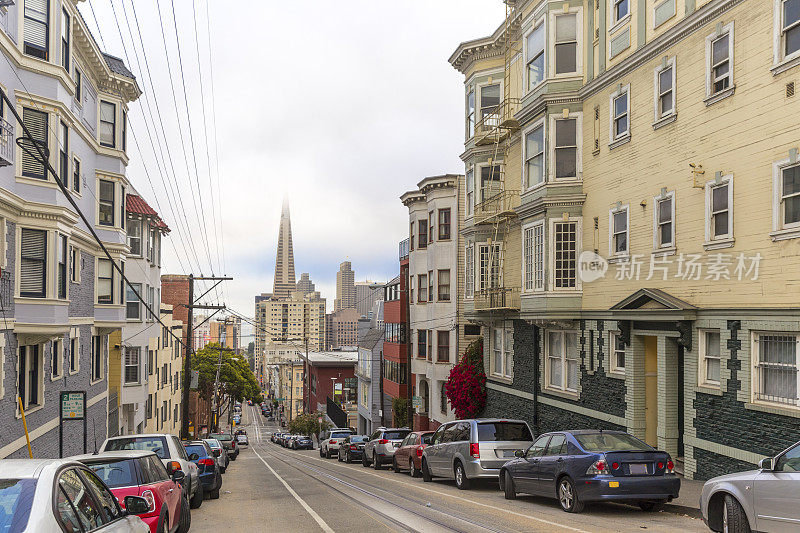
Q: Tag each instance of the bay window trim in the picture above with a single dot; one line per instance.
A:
(551, 243)
(532, 262)
(554, 118)
(527, 186)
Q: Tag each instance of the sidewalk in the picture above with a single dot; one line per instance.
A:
(688, 502)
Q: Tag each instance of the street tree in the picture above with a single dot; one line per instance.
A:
(309, 424)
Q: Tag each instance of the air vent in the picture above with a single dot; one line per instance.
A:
(789, 89)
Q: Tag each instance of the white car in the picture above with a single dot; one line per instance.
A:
(66, 496)
(330, 439)
(242, 439)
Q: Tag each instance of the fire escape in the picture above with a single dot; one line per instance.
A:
(497, 202)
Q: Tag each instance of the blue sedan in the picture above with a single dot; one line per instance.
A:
(578, 467)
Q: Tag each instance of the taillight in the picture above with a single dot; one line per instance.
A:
(333, 441)
(383, 441)
(614, 466)
(419, 451)
(599, 467)
(150, 499)
(475, 450)
(206, 462)
(353, 447)
(670, 467)
(660, 465)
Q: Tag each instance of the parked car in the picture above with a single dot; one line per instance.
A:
(382, 445)
(409, 454)
(229, 443)
(279, 436)
(200, 453)
(168, 448)
(464, 450)
(241, 439)
(578, 467)
(286, 439)
(766, 499)
(46, 495)
(274, 436)
(220, 453)
(352, 448)
(302, 442)
(139, 473)
(329, 441)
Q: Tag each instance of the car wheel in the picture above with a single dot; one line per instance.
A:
(329, 453)
(375, 463)
(509, 491)
(412, 468)
(223, 469)
(197, 499)
(651, 506)
(339, 457)
(320, 452)
(364, 461)
(163, 521)
(213, 495)
(734, 519)
(426, 472)
(568, 496)
(462, 481)
(186, 516)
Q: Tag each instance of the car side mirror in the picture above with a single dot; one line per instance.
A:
(194, 457)
(172, 467)
(217, 452)
(135, 505)
(519, 453)
(765, 464)
(178, 476)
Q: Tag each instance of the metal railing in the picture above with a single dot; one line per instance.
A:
(497, 298)
(777, 383)
(496, 121)
(7, 146)
(502, 203)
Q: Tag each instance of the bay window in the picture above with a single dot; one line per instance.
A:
(469, 271)
(63, 154)
(444, 285)
(61, 265)
(490, 102)
(534, 156)
(470, 199)
(106, 202)
(566, 148)
(108, 124)
(33, 264)
(65, 39)
(566, 44)
(564, 255)
(105, 282)
(36, 123)
(36, 28)
(135, 236)
(470, 113)
(30, 371)
(533, 257)
(535, 56)
(443, 346)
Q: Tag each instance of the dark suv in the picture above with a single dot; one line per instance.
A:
(201, 454)
(228, 442)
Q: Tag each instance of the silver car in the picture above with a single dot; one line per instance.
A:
(382, 445)
(330, 439)
(474, 449)
(767, 499)
(220, 453)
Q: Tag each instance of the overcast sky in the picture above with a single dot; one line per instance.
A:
(341, 105)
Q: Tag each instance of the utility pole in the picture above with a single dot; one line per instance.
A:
(187, 361)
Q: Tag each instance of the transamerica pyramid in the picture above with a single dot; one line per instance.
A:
(284, 262)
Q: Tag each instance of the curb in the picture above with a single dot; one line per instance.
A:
(692, 512)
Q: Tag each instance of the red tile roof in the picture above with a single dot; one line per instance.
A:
(136, 204)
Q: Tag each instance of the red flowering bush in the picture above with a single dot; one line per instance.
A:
(466, 385)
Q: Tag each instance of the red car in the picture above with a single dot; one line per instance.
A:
(409, 454)
(141, 473)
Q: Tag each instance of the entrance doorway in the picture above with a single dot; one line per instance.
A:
(651, 390)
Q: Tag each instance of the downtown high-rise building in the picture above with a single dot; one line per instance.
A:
(345, 287)
(284, 262)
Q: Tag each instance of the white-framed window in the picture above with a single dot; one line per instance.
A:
(470, 113)
(33, 264)
(491, 180)
(470, 192)
(534, 56)
(562, 372)
(618, 231)
(616, 353)
(132, 356)
(62, 276)
(30, 375)
(469, 271)
(65, 39)
(565, 44)
(719, 209)
(719, 63)
(664, 90)
(132, 303)
(106, 200)
(489, 259)
(98, 353)
(776, 368)
(422, 292)
(786, 198)
(619, 11)
(710, 361)
(787, 30)
(57, 359)
(135, 236)
(490, 104)
(565, 243)
(76, 174)
(534, 155)
(37, 124)
(502, 351)
(565, 133)
(108, 124)
(105, 281)
(36, 28)
(664, 221)
(533, 256)
(619, 107)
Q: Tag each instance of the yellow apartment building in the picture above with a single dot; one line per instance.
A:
(633, 221)
(165, 381)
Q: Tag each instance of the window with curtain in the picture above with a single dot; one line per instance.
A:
(562, 360)
(36, 30)
(105, 282)
(776, 378)
(33, 263)
(444, 285)
(132, 364)
(135, 236)
(106, 203)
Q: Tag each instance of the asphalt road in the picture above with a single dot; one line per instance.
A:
(270, 487)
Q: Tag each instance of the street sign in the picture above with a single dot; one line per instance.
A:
(72, 405)
(416, 402)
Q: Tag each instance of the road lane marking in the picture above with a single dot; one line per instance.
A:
(418, 487)
(325, 527)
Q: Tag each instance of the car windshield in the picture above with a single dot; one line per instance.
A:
(426, 439)
(115, 473)
(503, 431)
(358, 438)
(16, 497)
(340, 434)
(195, 448)
(214, 443)
(157, 445)
(396, 435)
(223, 436)
(606, 442)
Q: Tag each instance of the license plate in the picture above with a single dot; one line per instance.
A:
(637, 468)
(613, 484)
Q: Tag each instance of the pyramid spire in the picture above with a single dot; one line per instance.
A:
(284, 262)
